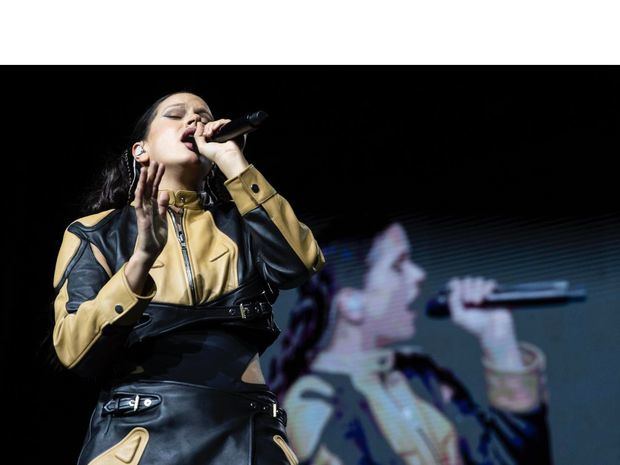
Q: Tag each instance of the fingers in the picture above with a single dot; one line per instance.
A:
(140, 188)
(199, 135)
(147, 188)
(470, 290)
(158, 175)
(217, 125)
(163, 199)
(455, 299)
(150, 179)
(207, 130)
(475, 291)
(200, 127)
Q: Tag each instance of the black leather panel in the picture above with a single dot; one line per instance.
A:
(277, 261)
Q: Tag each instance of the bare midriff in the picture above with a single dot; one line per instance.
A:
(253, 372)
(219, 357)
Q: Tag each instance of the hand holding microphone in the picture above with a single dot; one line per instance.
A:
(493, 327)
(211, 149)
(517, 296)
(222, 141)
(225, 134)
(464, 301)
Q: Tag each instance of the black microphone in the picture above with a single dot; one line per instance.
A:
(239, 127)
(516, 295)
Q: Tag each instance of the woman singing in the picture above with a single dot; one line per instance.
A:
(164, 294)
(358, 398)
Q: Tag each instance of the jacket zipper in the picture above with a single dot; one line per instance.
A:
(188, 267)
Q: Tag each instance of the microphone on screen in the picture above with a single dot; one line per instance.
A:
(516, 296)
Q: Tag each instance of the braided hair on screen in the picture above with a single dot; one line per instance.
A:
(312, 319)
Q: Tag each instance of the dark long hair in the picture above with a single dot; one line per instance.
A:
(311, 322)
(308, 325)
(117, 182)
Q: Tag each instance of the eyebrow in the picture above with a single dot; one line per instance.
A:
(204, 110)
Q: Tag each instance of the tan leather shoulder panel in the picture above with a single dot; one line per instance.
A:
(92, 220)
(68, 248)
(70, 244)
(310, 415)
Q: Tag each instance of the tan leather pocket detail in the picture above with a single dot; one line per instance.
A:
(128, 451)
(219, 251)
(290, 455)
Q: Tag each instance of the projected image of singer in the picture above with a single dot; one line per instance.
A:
(355, 400)
(164, 293)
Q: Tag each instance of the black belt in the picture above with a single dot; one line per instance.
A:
(269, 407)
(247, 310)
(124, 404)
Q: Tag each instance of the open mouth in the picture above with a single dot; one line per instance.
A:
(188, 139)
(190, 144)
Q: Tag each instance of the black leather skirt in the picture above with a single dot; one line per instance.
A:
(161, 422)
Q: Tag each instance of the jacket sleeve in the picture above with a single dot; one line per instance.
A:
(513, 429)
(94, 310)
(287, 251)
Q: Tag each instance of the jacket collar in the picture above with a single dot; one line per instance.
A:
(373, 361)
(191, 200)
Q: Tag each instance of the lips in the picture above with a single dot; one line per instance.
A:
(188, 139)
(188, 134)
(191, 146)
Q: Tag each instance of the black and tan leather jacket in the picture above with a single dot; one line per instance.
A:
(230, 256)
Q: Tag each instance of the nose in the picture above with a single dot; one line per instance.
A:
(417, 274)
(193, 118)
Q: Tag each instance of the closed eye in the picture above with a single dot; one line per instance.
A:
(204, 121)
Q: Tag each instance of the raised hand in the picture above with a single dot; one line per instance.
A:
(212, 150)
(151, 206)
(468, 292)
(228, 156)
(493, 327)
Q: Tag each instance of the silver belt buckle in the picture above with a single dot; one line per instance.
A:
(135, 402)
(274, 409)
(242, 310)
